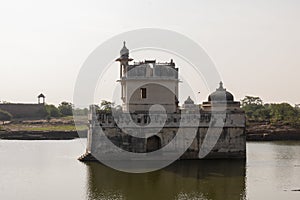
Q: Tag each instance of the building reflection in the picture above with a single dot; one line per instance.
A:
(199, 179)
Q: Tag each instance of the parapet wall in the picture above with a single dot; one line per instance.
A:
(173, 120)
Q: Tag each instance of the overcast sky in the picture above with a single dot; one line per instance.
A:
(254, 44)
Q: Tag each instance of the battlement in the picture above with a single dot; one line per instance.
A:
(170, 64)
(151, 69)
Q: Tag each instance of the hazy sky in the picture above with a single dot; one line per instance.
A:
(254, 44)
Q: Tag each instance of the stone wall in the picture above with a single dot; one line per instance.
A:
(230, 144)
(26, 111)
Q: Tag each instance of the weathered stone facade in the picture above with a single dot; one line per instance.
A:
(215, 129)
(230, 144)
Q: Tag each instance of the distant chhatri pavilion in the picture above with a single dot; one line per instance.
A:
(41, 96)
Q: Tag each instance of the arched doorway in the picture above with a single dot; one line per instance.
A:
(153, 143)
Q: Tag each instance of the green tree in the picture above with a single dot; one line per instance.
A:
(283, 112)
(65, 108)
(5, 116)
(52, 111)
(249, 100)
(106, 106)
(275, 113)
(254, 108)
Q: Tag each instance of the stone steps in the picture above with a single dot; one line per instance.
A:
(87, 157)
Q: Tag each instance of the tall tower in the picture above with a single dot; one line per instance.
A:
(147, 83)
(123, 59)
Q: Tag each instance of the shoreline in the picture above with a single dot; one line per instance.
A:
(261, 135)
(42, 135)
(268, 132)
(282, 136)
(62, 129)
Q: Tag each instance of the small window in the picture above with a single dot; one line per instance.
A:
(143, 93)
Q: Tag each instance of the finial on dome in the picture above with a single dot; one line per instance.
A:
(189, 101)
(124, 53)
(221, 85)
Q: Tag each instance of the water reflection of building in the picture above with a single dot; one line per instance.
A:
(210, 179)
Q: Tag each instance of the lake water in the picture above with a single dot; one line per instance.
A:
(45, 170)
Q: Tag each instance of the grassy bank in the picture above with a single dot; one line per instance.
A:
(56, 124)
(54, 129)
(47, 127)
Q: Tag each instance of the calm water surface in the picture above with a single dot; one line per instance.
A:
(49, 170)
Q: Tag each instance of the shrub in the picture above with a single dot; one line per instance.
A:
(65, 108)
(52, 111)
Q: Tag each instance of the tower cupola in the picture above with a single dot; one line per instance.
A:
(124, 53)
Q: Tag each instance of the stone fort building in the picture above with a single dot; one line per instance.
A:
(144, 84)
(26, 110)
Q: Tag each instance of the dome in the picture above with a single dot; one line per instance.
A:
(41, 95)
(124, 51)
(189, 101)
(221, 94)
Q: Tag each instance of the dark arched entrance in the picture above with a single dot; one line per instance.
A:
(153, 143)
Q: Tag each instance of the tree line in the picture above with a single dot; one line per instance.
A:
(64, 109)
(274, 113)
(50, 111)
(255, 110)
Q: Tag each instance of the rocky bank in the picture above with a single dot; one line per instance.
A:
(269, 132)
